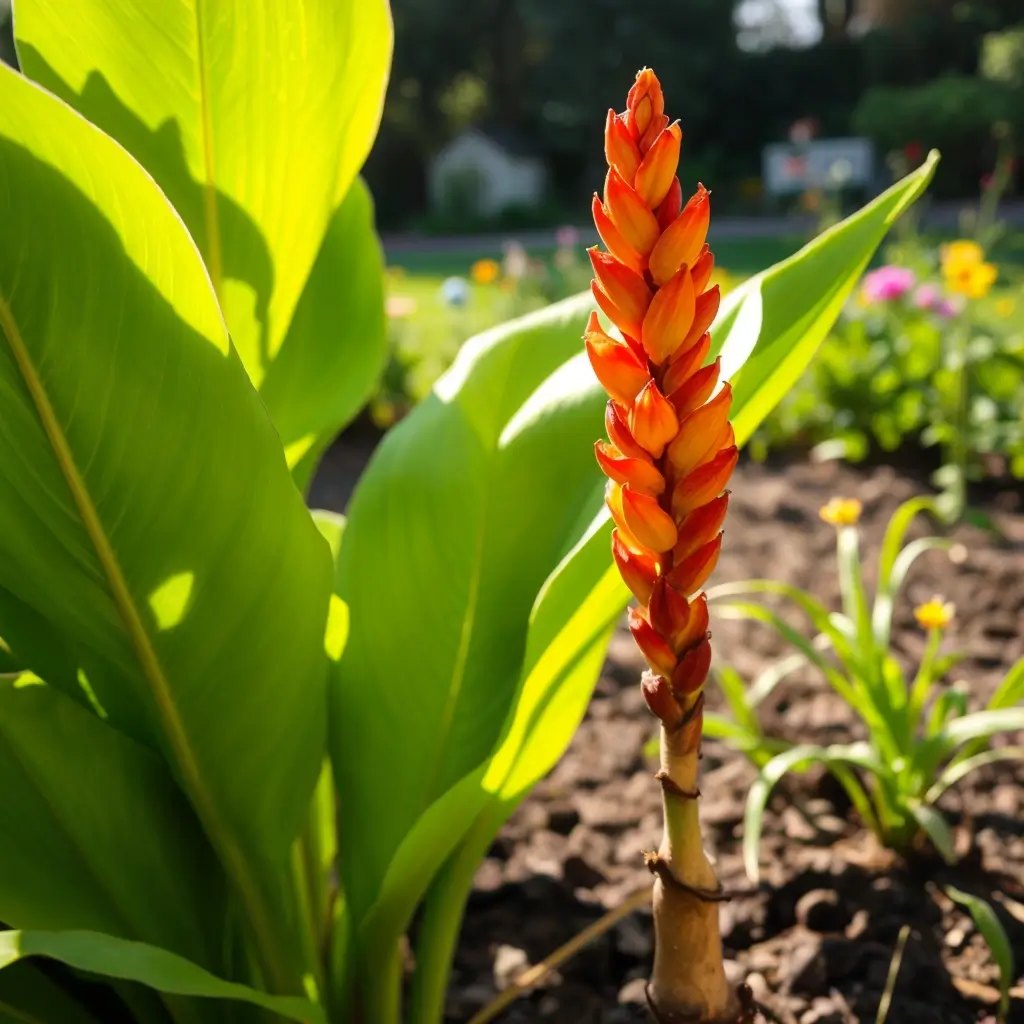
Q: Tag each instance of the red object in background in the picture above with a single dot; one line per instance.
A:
(912, 151)
(796, 166)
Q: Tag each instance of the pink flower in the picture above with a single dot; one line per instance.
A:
(927, 296)
(887, 283)
(947, 309)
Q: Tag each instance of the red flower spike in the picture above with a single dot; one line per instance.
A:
(640, 474)
(669, 317)
(682, 241)
(696, 626)
(689, 575)
(653, 422)
(692, 669)
(613, 239)
(699, 432)
(620, 292)
(635, 222)
(647, 521)
(654, 648)
(645, 102)
(705, 483)
(638, 568)
(684, 364)
(705, 311)
(615, 365)
(700, 526)
(657, 693)
(658, 170)
(697, 389)
(620, 148)
(670, 206)
(702, 268)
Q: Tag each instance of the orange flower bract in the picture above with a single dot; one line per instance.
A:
(672, 449)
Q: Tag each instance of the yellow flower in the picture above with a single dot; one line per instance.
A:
(485, 271)
(959, 252)
(965, 269)
(841, 511)
(1005, 307)
(971, 279)
(934, 614)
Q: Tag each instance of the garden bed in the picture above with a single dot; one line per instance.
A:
(817, 939)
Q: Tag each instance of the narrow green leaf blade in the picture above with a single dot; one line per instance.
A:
(995, 936)
(935, 826)
(770, 326)
(149, 965)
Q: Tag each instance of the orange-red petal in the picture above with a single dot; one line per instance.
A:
(613, 239)
(654, 129)
(657, 692)
(653, 422)
(644, 102)
(692, 668)
(635, 222)
(615, 364)
(668, 612)
(696, 626)
(647, 521)
(620, 292)
(704, 484)
(699, 432)
(704, 313)
(637, 566)
(670, 205)
(681, 242)
(700, 526)
(641, 474)
(685, 363)
(696, 389)
(669, 317)
(657, 171)
(619, 434)
(692, 572)
(620, 148)
(654, 647)
(702, 268)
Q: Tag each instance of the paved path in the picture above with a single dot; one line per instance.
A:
(940, 216)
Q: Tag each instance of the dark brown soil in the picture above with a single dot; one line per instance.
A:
(816, 940)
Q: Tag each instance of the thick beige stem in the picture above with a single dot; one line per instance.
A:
(688, 983)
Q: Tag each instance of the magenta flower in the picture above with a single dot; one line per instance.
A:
(887, 283)
(947, 309)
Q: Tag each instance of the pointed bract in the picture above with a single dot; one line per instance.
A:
(658, 169)
(700, 526)
(654, 648)
(620, 148)
(614, 242)
(689, 575)
(692, 668)
(653, 422)
(669, 317)
(622, 293)
(638, 568)
(681, 242)
(633, 219)
(699, 432)
(704, 484)
(641, 474)
(615, 364)
(647, 521)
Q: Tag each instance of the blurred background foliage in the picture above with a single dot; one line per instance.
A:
(740, 72)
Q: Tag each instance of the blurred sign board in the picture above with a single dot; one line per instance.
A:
(789, 168)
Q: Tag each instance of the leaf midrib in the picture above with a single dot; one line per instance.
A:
(152, 671)
(214, 258)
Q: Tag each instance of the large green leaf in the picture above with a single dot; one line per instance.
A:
(113, 848)
(465, 510)
(147, 516)
(254, 118)
(136, 961)
(770, 326)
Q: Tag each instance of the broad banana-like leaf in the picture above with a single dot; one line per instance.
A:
(254, 118)
(147, 516)
(156, 968)
(428, 570)
(113, 848)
